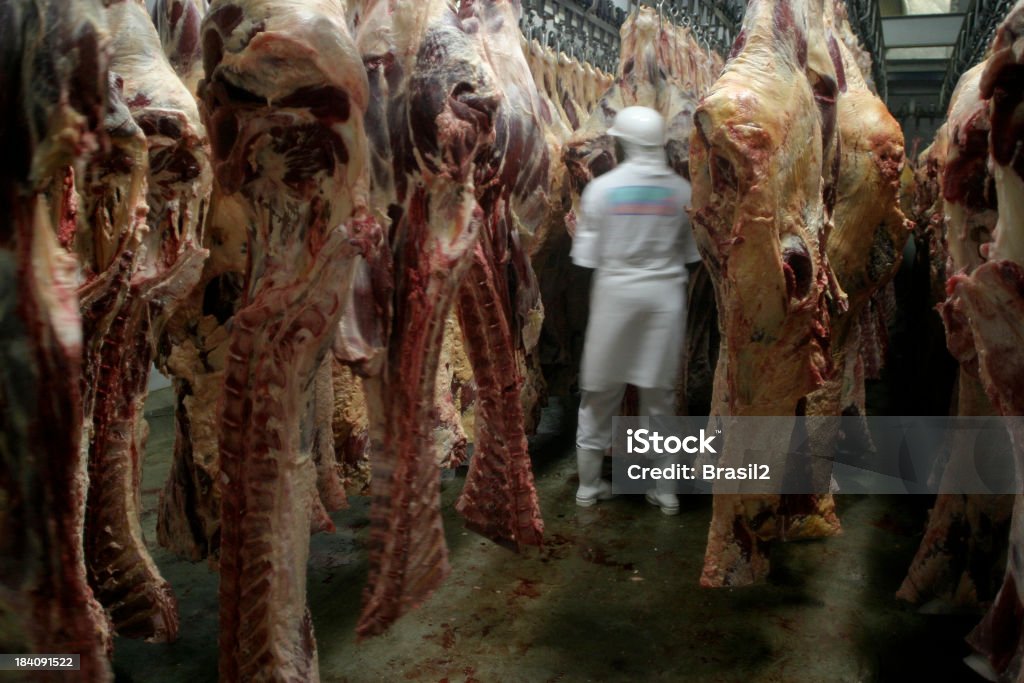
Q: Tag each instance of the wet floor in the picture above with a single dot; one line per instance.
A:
(612, 596)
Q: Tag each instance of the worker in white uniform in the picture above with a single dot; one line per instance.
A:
(633, 230)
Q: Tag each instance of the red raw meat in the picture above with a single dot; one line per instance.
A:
(289, 144)
(53, 98)
(468, 171)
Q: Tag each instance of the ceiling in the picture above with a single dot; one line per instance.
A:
(919, 37)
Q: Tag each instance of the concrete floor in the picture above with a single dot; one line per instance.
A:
(612, 596)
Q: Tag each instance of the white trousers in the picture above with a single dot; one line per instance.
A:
(597, 408)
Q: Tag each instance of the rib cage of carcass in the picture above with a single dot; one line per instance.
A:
(462, 169)
(788, 143)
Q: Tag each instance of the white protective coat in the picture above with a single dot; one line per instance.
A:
(634, 230)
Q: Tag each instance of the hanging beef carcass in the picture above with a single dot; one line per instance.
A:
(284, 96)
(194, 353)
(499, 303)
(537, 59)
(760, 169)
(566, 80)
(193, 349)
(178, 23)
(863, 249)
(688, 80)
(139, 267)
(958, 562)
(989, 306)
(107, 245)
(53, 69)
(677, 98)
(970, 209)
(869, 231)
(551, 85)
(469, 168)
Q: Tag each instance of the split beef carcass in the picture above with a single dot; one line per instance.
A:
(193, 348)
(677, 99)
(499, 304)
(193, 352)
(760, 168)
(862, 58)
(566, 80)
(53, 69)
(991, 302)
(138, 272)
(970, 208)
(863, 246)
(552, 85)
(688, 77)
(284, 94)
(178, 23)
(469, 168)
(958, 562)
(452, 429)
(537, 59)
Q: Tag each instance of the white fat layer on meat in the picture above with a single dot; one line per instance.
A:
(297, 47)
(50, 264)
(956, 236)
(1009, 233)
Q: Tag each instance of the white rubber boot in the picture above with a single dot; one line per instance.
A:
(663, 494)
(668, 502)
(592, 487)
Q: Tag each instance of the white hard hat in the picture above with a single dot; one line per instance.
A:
(639, 125)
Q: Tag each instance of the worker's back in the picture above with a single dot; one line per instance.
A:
(637, 216)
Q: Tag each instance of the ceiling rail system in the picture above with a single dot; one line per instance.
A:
(979, 27)
(866, 21)
(589, 30)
